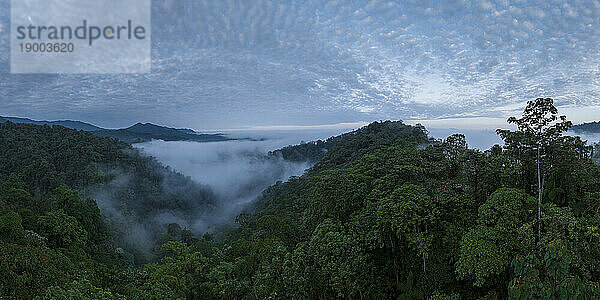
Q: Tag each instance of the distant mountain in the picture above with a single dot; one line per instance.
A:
(149, 128)
(591, 127)
(140, 132)
(78, 125)
(143, 132)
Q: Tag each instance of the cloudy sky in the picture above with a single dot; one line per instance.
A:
(235, 64)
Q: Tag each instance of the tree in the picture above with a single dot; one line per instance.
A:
(62, 230)
(549, 277)
(28, 270)
(412, 214)
(488, 248)
(331, 263)
(455, 145)
(82, 289)
(538, 129)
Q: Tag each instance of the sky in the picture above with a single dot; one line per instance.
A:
(295, 64)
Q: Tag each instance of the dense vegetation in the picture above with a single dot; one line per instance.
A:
(590, 127)
(386, 213)
(140, 132)
(53, 170)
(145, 132)
(65, 123)
(354, 144)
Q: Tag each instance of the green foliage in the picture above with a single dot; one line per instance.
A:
(386, 212)
(11, 229)
(487, 249)
(86, 212)
(354, 145)
(79, 290)
(29, 270)
(62, 230)
(549, 277)
(410, 213)
(334, 261)
(46, 168)
(438, 296)
(336, 194)
(546, 157)
(508, 208)
(407, 290)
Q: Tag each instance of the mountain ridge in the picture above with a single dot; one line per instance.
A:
(137, 133)
(588, 127)
(72, 124)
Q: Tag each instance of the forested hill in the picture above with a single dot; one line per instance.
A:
(66, 123)
(46, 174)
(143, 132)
(140, 132)
(353, 144)
(386, 213)
(408, 221)
(591, 127)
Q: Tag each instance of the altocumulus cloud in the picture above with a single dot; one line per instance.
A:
(235, 63)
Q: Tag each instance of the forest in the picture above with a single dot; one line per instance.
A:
(591, 127)
(385, 212)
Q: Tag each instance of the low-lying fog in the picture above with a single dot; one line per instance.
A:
(481, 139)
(236, 171)
(591, 138)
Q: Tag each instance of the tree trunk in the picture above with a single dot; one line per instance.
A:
(539, 175)
(394, 256)
(424, 268)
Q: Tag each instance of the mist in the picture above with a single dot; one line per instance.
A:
(481, 139)
(235, 171)
(220, 180)
(198, 186)
(591, 138)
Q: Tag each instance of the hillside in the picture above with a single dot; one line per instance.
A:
(591, 127)
(146, 132)
(382, 216)
(134, 134)
(386, 212)
(78, 125)
(354, 144)
(41, 165)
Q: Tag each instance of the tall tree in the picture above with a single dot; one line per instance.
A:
(539, 128)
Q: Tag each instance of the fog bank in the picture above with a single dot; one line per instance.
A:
(236, 171)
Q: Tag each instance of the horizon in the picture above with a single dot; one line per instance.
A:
(462, 123)
(221, 66)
